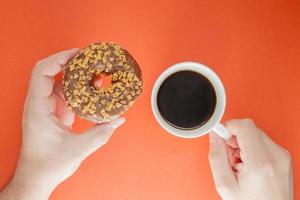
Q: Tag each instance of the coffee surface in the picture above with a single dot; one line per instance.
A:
(186, 100)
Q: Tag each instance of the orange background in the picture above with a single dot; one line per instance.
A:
(254, 46)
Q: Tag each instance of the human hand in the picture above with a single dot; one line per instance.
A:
(250, 166)
(50, 152)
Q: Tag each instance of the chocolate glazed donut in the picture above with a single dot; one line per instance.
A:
(101, 104)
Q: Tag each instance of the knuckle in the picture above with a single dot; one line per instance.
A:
(248, 122)
(104, 140)
(286, 155)
(230, 122)
(99, 143)
(224, 189)
(39, 62)
(37, 67)
(240, 124)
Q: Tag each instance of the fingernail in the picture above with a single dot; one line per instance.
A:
(74, 49)
(117, 122)
(98, 83)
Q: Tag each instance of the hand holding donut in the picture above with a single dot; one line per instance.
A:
(50, 152)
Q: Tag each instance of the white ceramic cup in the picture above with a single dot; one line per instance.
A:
(213, 124)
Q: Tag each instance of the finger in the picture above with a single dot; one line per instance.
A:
(62, 111)
(97, 136)
(98, 83)
(53, 64)
(236, 153)
(232, 142)
(253, 149)
(233, 155)
(236, 159)
(42, 81)
(58, 90)
(219, 162)
(230, 152)
(238, 167)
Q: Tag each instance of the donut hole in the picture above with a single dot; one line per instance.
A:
(101, 81)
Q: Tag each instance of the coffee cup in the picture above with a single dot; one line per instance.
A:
(172, 110)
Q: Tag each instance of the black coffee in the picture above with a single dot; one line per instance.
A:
(186, 100)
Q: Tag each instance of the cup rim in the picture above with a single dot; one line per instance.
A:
(220, 99)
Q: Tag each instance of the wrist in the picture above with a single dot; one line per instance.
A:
(28, 184)
(23, 190)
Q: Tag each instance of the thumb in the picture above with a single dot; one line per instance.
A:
(222, 172)
(95, 137)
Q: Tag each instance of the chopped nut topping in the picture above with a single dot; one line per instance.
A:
(101, 104)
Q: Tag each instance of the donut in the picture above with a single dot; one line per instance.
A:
(101, 104)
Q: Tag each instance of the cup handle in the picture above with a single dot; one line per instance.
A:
(222, 131)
